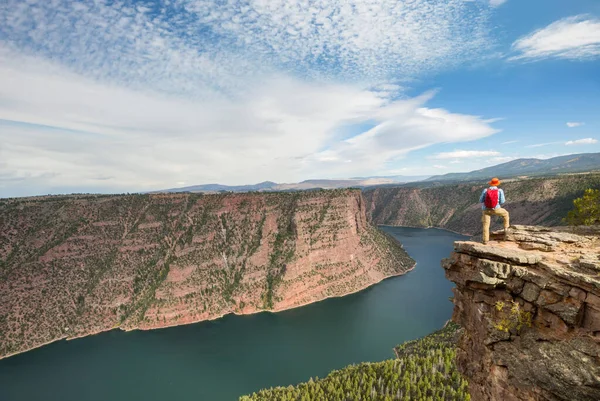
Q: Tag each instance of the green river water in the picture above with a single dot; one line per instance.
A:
(223, 359)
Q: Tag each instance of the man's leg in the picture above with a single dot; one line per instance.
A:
(505, 216)
(485, 220)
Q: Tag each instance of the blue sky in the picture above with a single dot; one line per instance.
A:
(120, 96)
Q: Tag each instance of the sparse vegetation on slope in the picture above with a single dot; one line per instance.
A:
(582, 162)
(77, 265)
(455, 207)
(424, 370)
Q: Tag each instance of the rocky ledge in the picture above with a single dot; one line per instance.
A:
(530, 306)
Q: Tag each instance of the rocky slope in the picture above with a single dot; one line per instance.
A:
(77, 265)
(455, 207)
(530, 308)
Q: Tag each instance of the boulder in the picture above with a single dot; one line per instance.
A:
(570, 310)
(530, 292)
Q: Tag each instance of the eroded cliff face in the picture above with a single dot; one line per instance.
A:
(78, 265)
(530, 307)
(540, 201)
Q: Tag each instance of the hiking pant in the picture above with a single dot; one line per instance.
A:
(486, 217)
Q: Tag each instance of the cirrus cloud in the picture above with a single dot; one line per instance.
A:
(120, 95)
(173, 44)
(61, 132)
(497, 3)
(574, 38)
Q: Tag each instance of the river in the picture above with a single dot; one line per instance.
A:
(223, 359)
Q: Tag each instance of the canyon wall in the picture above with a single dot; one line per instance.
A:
(540, 201)
(77, 265)
(530, 308)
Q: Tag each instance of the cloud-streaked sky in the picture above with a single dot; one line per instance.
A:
(117, 96)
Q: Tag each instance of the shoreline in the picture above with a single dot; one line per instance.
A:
(428, 227)
(213, 318)
(276, 310)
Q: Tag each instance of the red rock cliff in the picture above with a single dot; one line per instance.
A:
(530, 307)
(74, 266)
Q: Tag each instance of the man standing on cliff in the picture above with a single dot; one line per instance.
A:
(492, 199)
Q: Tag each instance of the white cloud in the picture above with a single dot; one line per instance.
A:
(217, 40)
(584, 141)
(465, 154)
(539, 145)
(104, 96)
(575, 38)
(509, 142)
(68, 129)
(574, 124)
(497, 3)
(439, 166)
(372, 37)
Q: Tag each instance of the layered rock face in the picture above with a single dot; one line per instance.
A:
(530, 307)
(540, 201)
(74, 266)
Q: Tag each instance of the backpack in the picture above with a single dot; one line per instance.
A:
(491, 198)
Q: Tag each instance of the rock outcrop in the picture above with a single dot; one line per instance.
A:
(539, 201)
(77, 265)
(530, 307)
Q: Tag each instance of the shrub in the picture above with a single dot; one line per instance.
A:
(512, 318)
(586, 209)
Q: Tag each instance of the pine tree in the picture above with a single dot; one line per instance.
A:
(586, 209)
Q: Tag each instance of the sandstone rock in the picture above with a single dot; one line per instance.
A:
(591, 319)
(558, 288)
(485, 279)
(532, 246)
(496, 253)
(576, 278)
(558, 370)
(515, 285)
(546, 319)
(494, 269)
(588, 262)
(526, 306)
(485, 297)
(545, 235)
(577, 293)
(496, 336)
(491, 297)
(593, 300)
(530, 292)
(548, 297)
(534, 276)
(558, 357)
(570, 310)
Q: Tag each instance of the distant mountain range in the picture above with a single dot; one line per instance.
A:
(584, 162)
(356, 182)
(578, 163)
